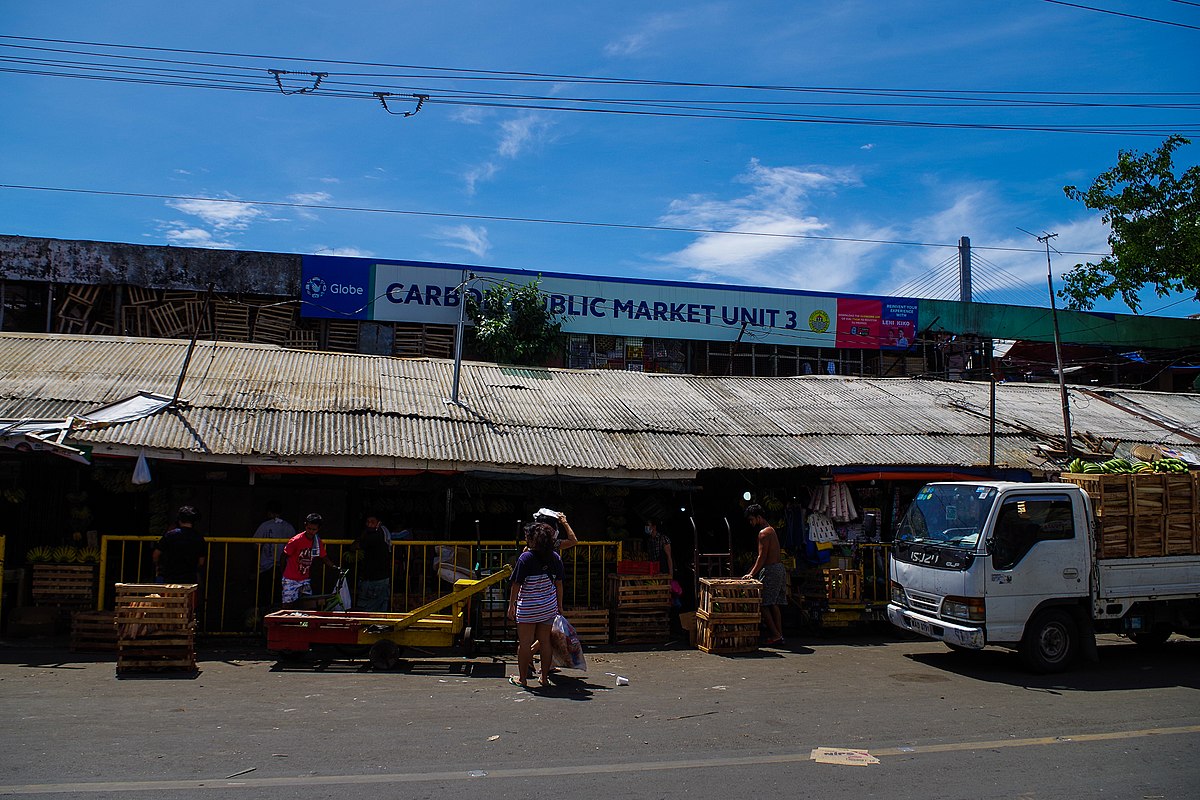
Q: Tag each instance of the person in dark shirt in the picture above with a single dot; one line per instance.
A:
(375, 568)
(179, 555)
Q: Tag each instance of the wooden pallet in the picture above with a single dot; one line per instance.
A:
(721, 638)
(342, 336)
(64, 584)
(592, 624)
(638, 592)
(303, 339)
(93, 630)
(640, 627)
(167, 320)
(439, 341)
(273, 324)
(231, 321)
(139, 295)
(729, 597)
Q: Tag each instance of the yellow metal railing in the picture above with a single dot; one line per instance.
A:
(235, 593)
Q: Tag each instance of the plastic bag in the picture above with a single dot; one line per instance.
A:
(568, 650)
(141, 471)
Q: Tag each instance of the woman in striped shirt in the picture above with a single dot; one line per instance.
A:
(535, 599)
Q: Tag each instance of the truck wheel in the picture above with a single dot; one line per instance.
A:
(1153, 638)
(1051, 641)
(384, 654)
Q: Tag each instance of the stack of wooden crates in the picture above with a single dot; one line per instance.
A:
(640, 605)
(65, 587)
(728, 616)
(1143, 514)
(156, 627)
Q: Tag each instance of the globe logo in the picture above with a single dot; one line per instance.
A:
(315, 287)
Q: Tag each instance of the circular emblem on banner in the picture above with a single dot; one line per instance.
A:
(818, 321)
(315, 287)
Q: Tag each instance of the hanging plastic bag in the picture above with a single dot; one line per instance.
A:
(568, 650)
(141, 470)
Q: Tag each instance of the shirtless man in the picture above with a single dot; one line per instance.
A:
(768, 569)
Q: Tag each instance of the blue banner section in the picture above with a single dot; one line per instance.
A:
(424, 292)
(337, 288)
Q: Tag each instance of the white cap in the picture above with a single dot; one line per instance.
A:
(546, 512)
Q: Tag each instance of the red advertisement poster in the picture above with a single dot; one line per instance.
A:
(859, 323)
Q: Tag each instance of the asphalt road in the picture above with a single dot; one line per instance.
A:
(688, 724)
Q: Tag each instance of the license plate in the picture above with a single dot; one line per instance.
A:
(920, 626)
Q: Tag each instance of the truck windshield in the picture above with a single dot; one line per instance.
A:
(947, 514)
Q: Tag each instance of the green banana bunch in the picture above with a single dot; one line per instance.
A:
(1170, 465)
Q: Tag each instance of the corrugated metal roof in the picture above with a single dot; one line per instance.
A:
(264, 404)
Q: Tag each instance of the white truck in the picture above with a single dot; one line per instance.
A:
(1015, 565)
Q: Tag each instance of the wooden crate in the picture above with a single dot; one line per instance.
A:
(844, 585)
(1180, 494)
(64, 584)
(93, 630)
(232, 321)
(639, 592)
(641, 627)
(159, 652)
(1180, 534)
(729, 598)
(721, 638)
(592, 624)
(1114, 537)
(1148, 536)
(1149, 494)
(144, 608)
(1110, 494)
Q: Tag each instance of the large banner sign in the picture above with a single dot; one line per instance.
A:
(420, 292)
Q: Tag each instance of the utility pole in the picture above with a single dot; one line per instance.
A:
(467, 277)
(1062, 378)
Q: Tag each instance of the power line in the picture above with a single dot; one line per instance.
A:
(497, 218)
(1123, 14)
(253, 78)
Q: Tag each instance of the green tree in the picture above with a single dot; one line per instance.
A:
(513, 324)
(1154, 221)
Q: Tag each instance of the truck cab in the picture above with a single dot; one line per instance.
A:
(996, 563)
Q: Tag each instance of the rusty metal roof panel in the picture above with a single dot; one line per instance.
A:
(259, 401)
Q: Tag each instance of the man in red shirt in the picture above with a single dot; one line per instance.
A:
(298, 556)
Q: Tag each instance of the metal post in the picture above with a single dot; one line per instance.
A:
(991, 357)
(1062, 378)
(458, 333)
(964, 269)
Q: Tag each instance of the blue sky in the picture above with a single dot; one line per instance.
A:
(463, 155)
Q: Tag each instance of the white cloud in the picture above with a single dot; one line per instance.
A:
(868, 146)
(644, 37)
(477, 173)
(311, 198)
(779, 202)
(222, 215)
(331, 180)
(517, 135)
(473, 239)
(177, 233)
(352, 252)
